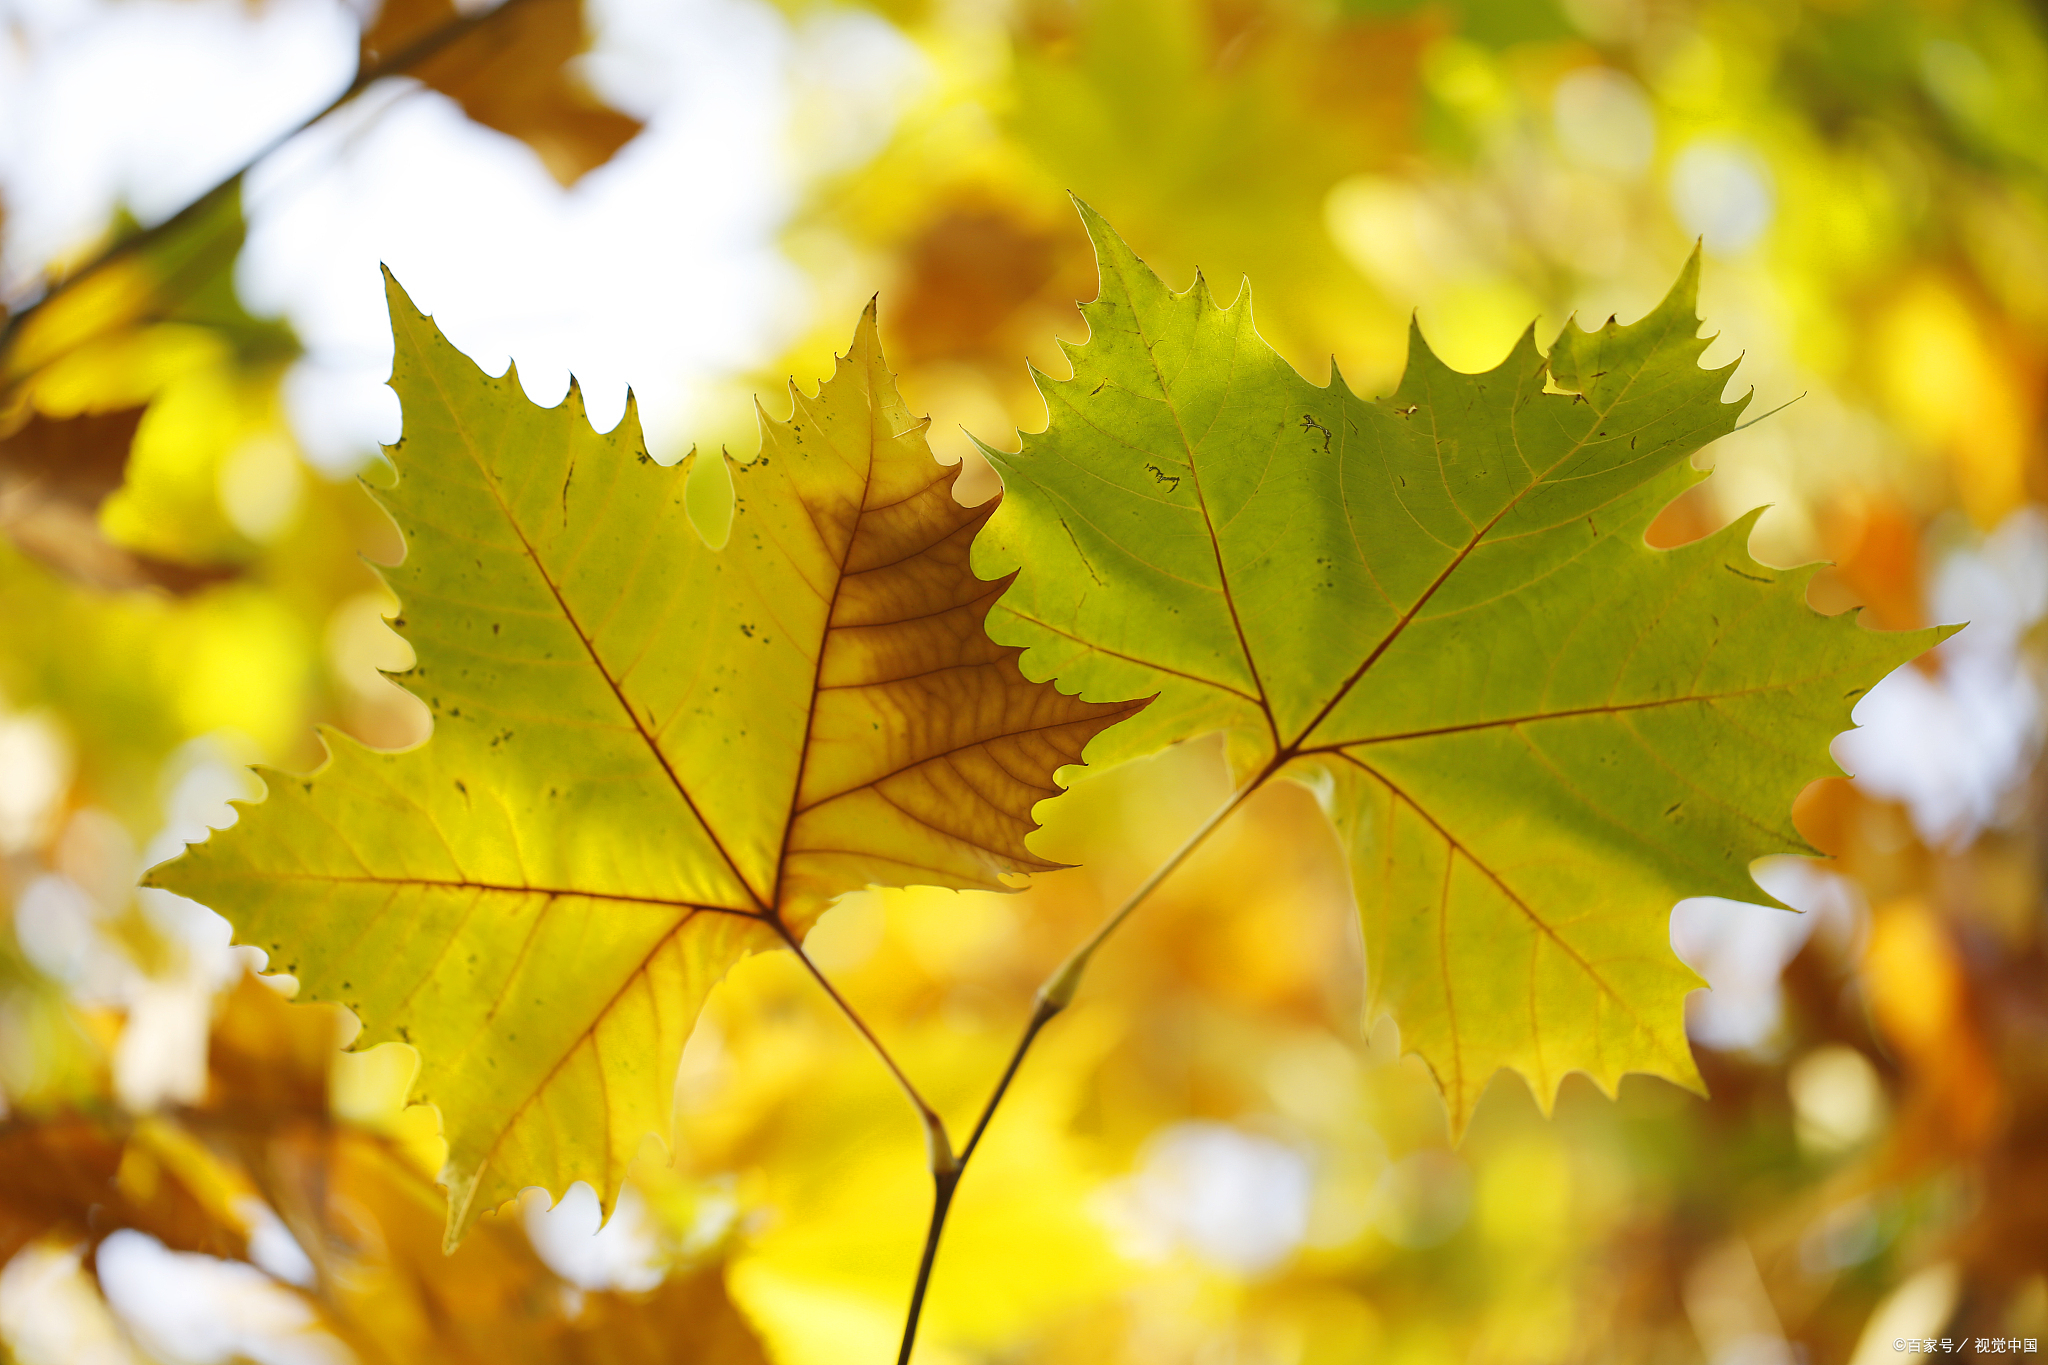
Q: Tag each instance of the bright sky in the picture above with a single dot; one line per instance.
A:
(659, 269)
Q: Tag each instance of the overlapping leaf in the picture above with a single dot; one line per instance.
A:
(650, 757)
(1535, 732)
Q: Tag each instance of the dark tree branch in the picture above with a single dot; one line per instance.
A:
(395, 65)
(1055, 995)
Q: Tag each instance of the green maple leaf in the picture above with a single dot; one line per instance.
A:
(1534, 732)
(649, 758)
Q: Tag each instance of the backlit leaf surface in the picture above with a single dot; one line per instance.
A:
(650, 756)
(1535, 732)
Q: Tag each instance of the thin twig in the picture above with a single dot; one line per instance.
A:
(366, 76)
(943, 1186)
(1042, 1012)
(1055, 995)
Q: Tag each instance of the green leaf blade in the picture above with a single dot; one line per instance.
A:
(1535, 732)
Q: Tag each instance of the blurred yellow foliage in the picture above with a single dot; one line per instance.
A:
(1870, 181)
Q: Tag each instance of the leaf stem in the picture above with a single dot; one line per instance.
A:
(1054, 996)
(1059, 988)
(938, 1144)
(366, 76)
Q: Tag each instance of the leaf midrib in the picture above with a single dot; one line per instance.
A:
(507, 888)
(803, 762)
(1478, 538)
(1265, 703)
(490, 483)
(587, 1034)
(1543, 926)
(1284, 751)
(1605, 709)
